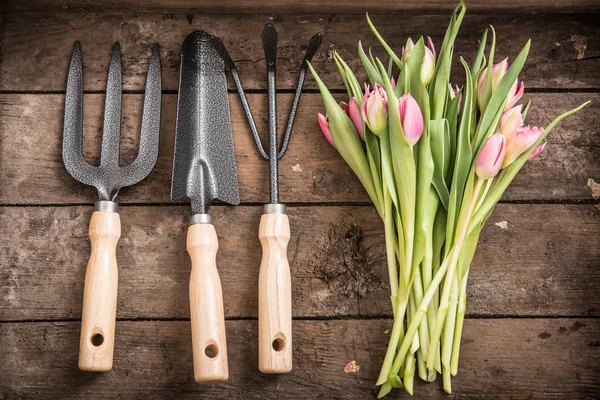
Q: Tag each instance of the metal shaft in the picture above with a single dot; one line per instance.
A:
(269, 39)
(273, 167)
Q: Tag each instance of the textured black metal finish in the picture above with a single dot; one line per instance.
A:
(109, 177)
(204, 161)
(269, 38)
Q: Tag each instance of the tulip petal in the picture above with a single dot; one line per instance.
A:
(354, 114)
(324, 124)
(491, 157)
(411, 118)
(538, 150)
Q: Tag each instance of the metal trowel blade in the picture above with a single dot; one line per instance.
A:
(204, 160)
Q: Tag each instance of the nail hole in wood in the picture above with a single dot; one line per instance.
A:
(211, 351)
(97, 339)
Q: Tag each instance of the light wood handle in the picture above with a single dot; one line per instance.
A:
(206, 306)
(274, 296)
(97, 341)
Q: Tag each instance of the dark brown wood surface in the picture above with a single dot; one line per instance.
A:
(532, 329)
(565, 52)
(516, 358)
(31, 172)
(305, 6)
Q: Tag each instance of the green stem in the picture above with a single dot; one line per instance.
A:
(447, 380)
(395, 338)
(448, 338)
(390, 246)
(453, 256)
(417, 289)
(460, 319)
(414, 324)
(421, 354)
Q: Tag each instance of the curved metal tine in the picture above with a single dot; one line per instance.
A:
(72, 150)
(313, 46)
(150, 131)
(111, 132)
(220, 48)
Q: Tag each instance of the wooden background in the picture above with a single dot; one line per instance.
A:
(533, 327)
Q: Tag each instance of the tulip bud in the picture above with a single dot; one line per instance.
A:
(538, 150)
(510, 122)
(411, 118)
(490, 157)
(354, 114)
(514, 95)
(428, 66)
(430, 45)
(324, 124)
(525, 137)
(453, 92)
(498, 72)
(374, 109)
(407, 49)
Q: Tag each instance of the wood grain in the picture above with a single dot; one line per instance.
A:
(500, 358)
(31, 169)
(274, 296)
(545, 263)
(207, 318)
(306, 6)
(37, 46)
(98, 315)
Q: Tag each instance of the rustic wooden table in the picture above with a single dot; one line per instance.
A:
(532, 330)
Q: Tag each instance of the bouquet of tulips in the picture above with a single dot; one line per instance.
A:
(435, 159)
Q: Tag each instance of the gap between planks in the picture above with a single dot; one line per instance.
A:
(314, 318)
(292, 204)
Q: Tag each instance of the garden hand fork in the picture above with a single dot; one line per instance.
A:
(96, 345)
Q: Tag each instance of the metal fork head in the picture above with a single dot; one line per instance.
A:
(110, 176)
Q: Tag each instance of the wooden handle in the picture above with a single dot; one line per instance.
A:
(274, 296)
(206, 306)
(97, 341)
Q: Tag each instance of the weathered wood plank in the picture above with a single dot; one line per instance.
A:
(36, 46)
(500, 358)
(296, 7)
(31, 169)
(545, 263)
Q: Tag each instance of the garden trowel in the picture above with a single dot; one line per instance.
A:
(204, 170)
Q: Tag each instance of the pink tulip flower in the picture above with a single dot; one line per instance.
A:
(411, 118)
(324, 124)
(510, 122)
(525, 137)
(498, 72)
(540, 147)
(515, 94)
(491, 156)
(429, 59)
(374, 109)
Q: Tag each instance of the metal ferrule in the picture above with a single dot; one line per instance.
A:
(200, 219)
(107, 206)
(274, 208)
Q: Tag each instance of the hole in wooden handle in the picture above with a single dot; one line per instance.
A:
(97, 339)
(211, 351)
(279, 343)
